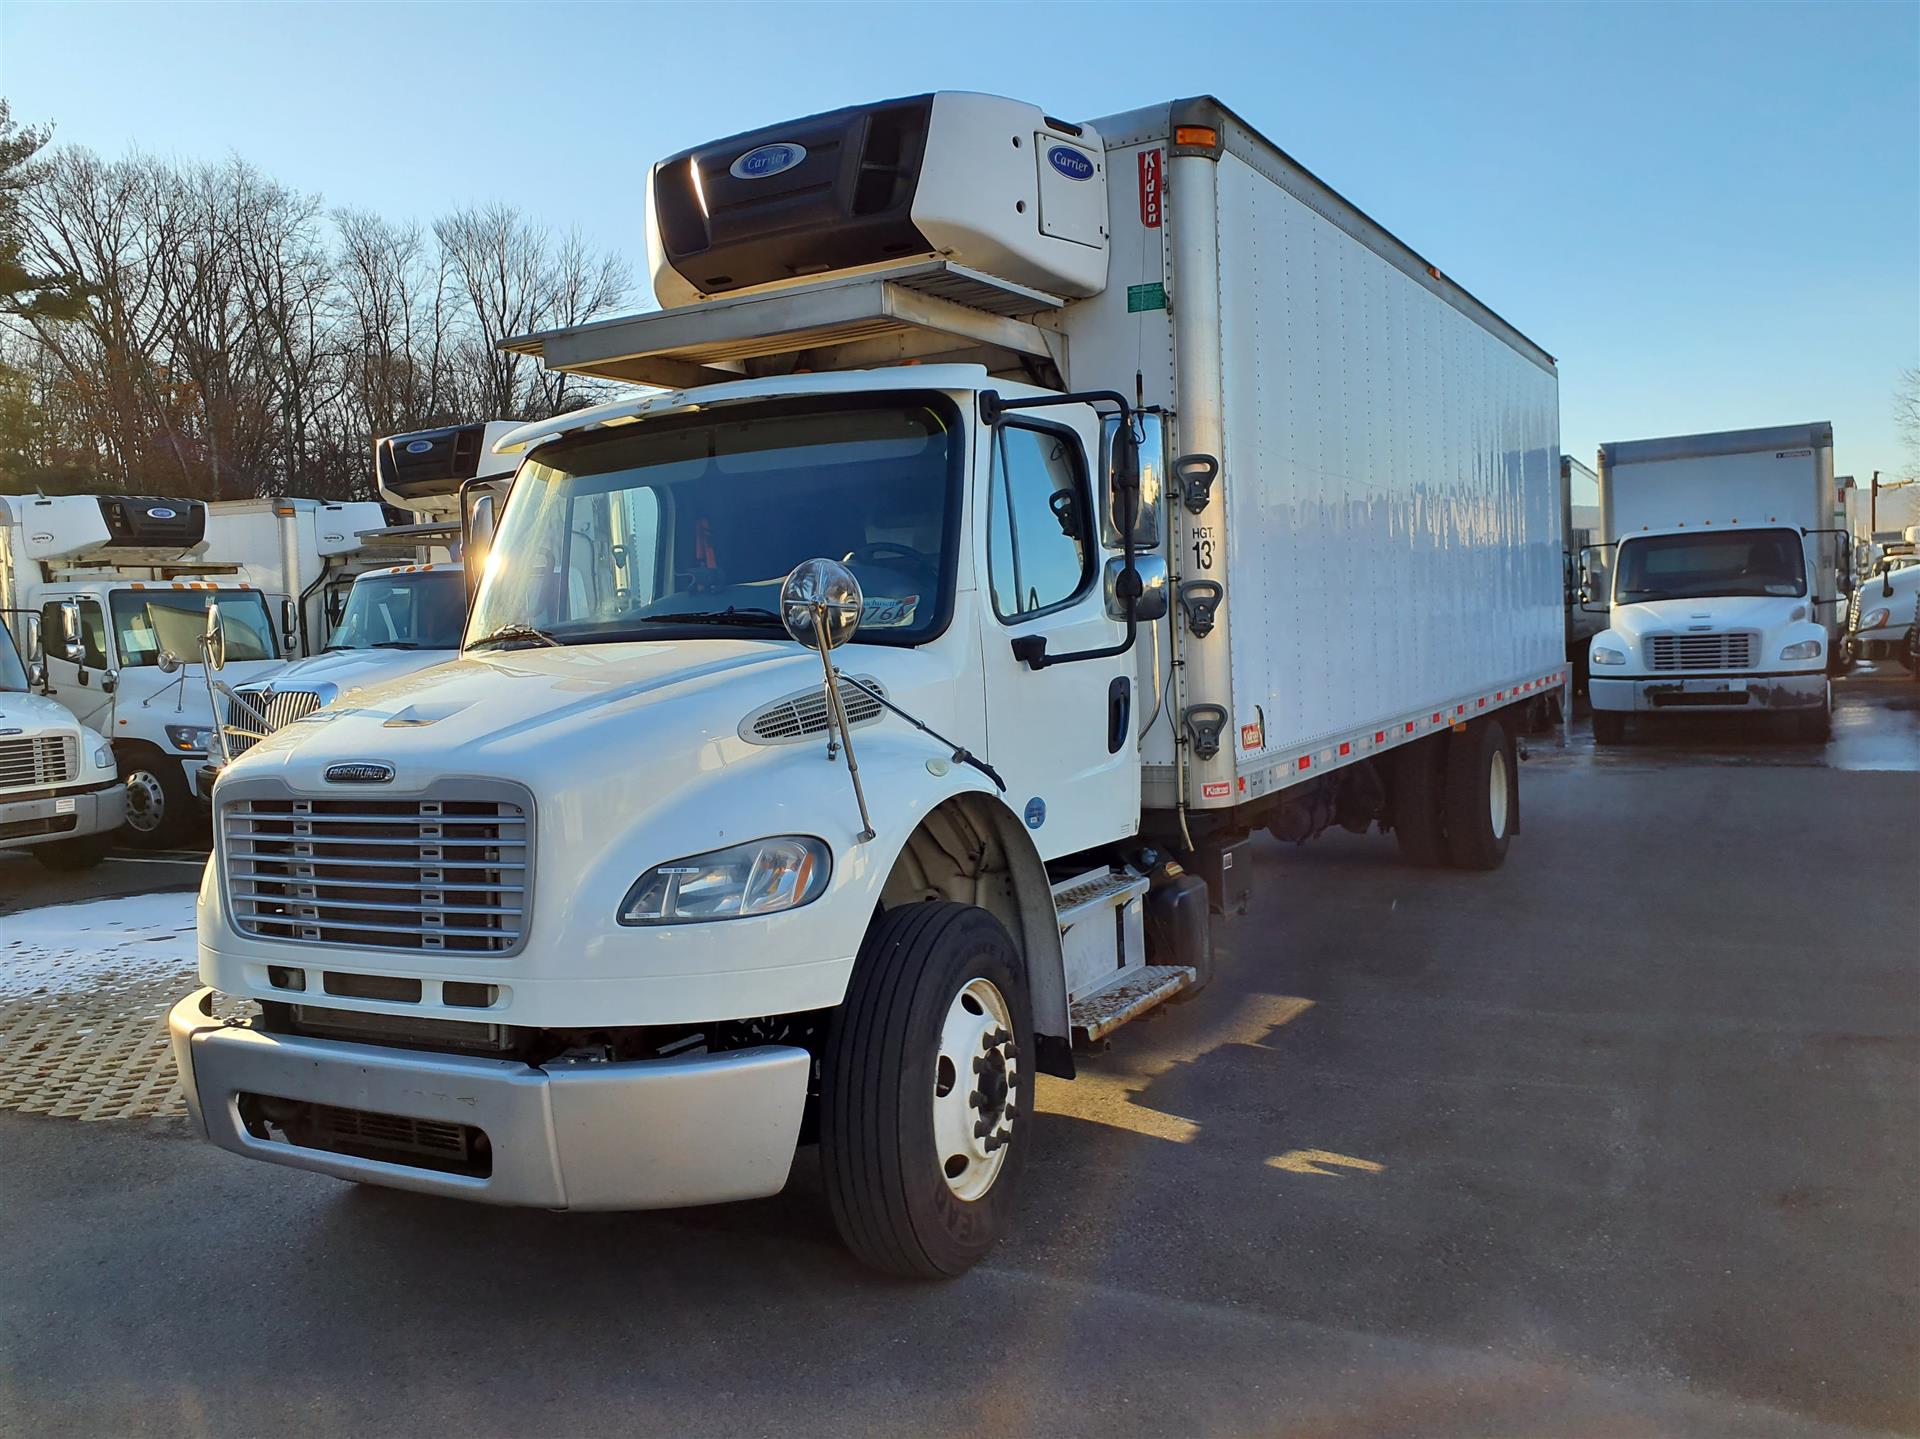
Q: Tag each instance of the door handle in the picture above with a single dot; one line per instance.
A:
(1119, 713)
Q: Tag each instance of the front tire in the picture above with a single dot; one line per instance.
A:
(1609, 727)
(159, 804)
(927, 1091)
(1483, 796)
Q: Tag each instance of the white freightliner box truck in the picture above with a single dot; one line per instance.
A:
(1725, 576)
(389, 619)
(98, 570)
(302, 554)
(1078, 429)
(60, 798)
(1580, 514)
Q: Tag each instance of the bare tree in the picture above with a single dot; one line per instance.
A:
(1906, 420)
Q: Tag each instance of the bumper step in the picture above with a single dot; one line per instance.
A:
(1096, 1015)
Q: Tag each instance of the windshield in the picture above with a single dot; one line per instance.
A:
(1739, 562)
(243, 616)
(13, 674)
(421, 610)
(686, 526)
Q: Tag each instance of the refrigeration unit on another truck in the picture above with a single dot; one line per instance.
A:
(1726, 578)
(852, 727)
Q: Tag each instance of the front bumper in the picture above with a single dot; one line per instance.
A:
(30, 821)
(1717, 694)
(649, 1134)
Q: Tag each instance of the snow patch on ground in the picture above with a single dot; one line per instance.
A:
(71, 949)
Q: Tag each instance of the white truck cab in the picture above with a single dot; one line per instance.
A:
(60, 798)
(1885, 613)
(849, 727)
(1724, 578)
(96, 570)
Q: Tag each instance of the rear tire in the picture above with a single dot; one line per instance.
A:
(81, 852)
(933, 1041)
(1483, 796)
(1609, 727)
(1417, 797)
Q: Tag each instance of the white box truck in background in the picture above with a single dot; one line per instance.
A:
(96, 569)
(302, 555)
(1726, 576)
(60, 798)
(1056, 444)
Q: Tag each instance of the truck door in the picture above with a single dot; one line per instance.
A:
(81, 686)
(1061, 737)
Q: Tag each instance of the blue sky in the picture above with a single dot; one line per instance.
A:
(1710, 213)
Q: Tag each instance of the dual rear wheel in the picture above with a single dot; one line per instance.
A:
(1457, 801)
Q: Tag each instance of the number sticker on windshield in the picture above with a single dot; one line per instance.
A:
(888, 614)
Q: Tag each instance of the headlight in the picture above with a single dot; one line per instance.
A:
(761, 877)
(1873, 619)
(103, 758)
(189, 738)
(1603, 656)
(1804, 650)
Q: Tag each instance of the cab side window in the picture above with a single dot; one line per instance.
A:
(1039, 536)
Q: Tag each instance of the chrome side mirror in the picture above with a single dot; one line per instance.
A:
(1152, 603)
(168, 662)
(1138, 491)
(109, 681)
(37, 676)
(70, 647)
(821, 604)
(289, 625)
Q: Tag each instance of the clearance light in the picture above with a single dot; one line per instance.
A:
(1196, 135)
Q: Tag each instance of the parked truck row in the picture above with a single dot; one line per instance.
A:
(871, 710)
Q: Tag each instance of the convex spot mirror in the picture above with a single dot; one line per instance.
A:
(821, 601)
(289, 624)
(1152, 602)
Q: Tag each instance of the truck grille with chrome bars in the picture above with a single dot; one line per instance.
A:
(444, 872)
(281, 707)
(1732, 651)
(37, 762)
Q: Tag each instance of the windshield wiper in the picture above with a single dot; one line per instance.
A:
(731, 615)
(394, 645)
(508, 633)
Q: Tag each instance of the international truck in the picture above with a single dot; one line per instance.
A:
(396, 618)
(105, 575)
(854, 724)
(1726, 579)
(60, 797)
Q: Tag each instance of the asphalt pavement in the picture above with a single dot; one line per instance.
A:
(1619, 1139)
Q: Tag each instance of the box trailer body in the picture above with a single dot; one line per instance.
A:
(1727, 575)
(1089, 427)
(302, 554)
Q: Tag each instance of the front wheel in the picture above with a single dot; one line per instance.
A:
(159, 804)
(926, 1091)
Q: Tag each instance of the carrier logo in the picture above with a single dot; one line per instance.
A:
(360, 772)
(1074, 164)
(765, 160)
(159, 512)
(1793, 454)
(419, 447)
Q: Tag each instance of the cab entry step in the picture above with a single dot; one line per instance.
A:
(1096, 1015)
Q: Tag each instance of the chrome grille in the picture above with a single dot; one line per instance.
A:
(802, 714)
(281, 707)
(441, 872)
(1700, 652)
(38, 762)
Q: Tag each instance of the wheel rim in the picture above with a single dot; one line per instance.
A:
(1497, 793)
(976, 1089)
(146, 801)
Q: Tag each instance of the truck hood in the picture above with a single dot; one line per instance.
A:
(338, 673)
(31, 714)
(553, 717)
(1711, 615)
